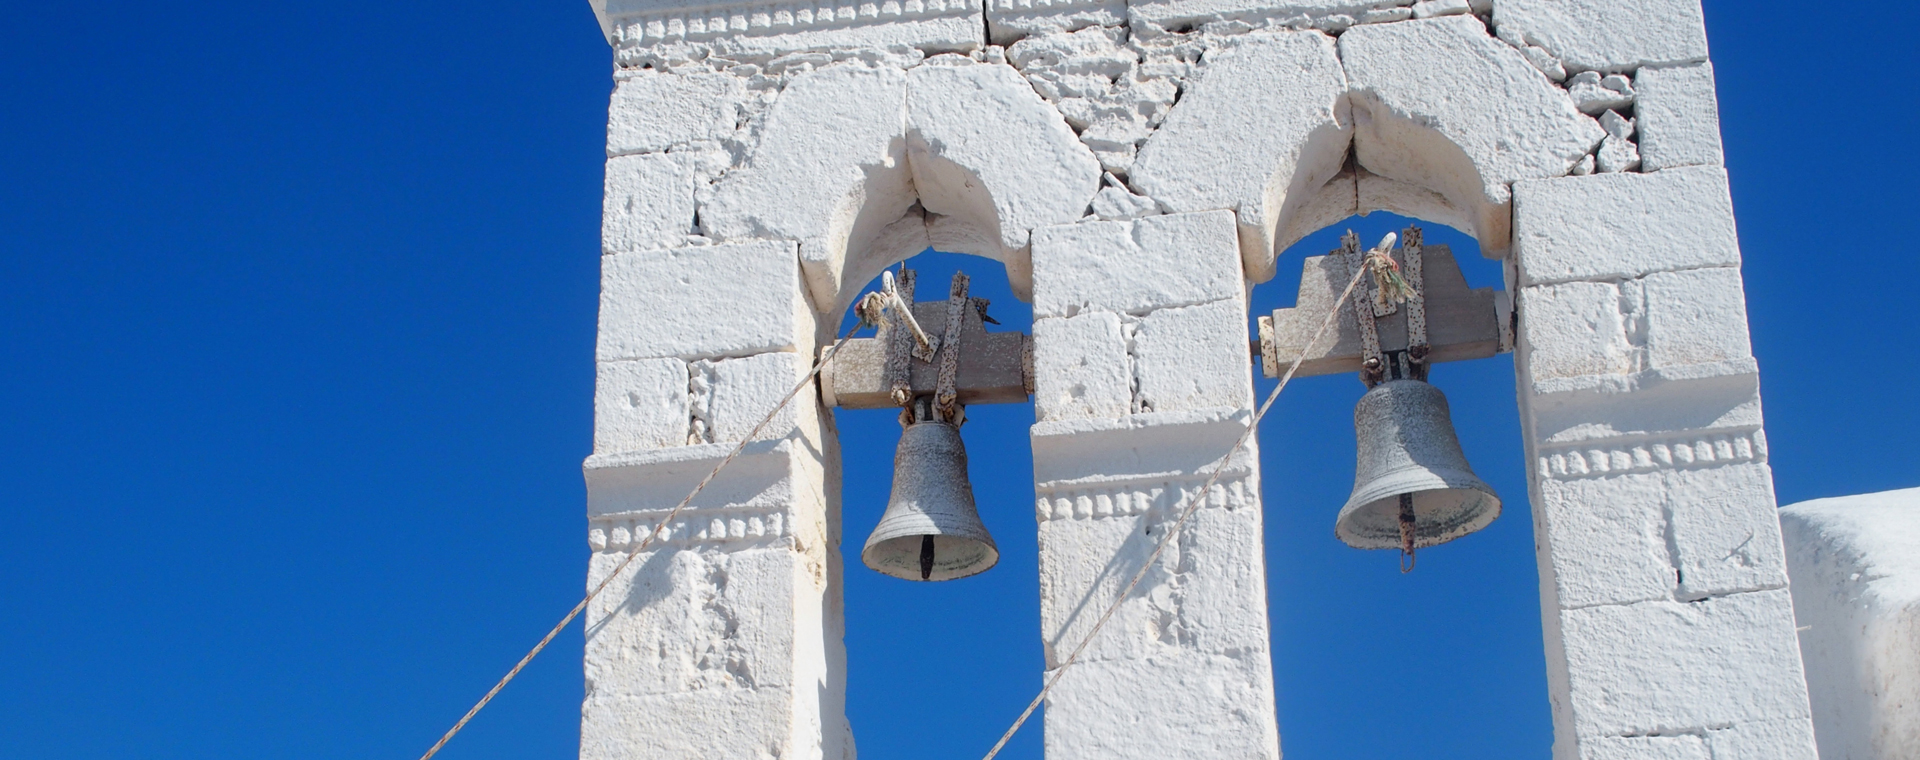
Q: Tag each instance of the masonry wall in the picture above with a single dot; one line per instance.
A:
(1135, 166)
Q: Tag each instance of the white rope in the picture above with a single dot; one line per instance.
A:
(1192, 505)
(644, 543)
(891, 294)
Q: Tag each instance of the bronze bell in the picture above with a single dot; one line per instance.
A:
(931, 530)
(1412, 487)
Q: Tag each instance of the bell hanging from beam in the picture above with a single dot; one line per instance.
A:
(931, 530)
(1412, 487)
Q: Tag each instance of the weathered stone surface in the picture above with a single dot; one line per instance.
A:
(1608, 35)
(756, 29)
(1790, 739)
(1575, 329)
(1609, 540)
(1725, 531)
(1621, 226)
(1855, 563)
(1135, 266)
(741, 391)
(1594, 94)
(1080, 367)
(1261, 131)
(1646, 748)
(1175, 14)
(1439, 104)
(648, 203)
(1010, 20)
(1697, 316)
(639, 404)
(985, 148)
(1193, 357)
(701, 302)
(1679, 117)
(653, 111)
(1677, 667)
(1190, 602)
(1203, 706)
(839, 132)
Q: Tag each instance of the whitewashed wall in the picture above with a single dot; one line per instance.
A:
(1136, 166)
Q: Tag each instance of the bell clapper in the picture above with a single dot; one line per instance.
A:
(926, 557)
(1406, 533)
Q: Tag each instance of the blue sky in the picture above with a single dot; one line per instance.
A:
(296, 327)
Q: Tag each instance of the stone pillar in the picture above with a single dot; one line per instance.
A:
(724, 638)
(1142, 384)
(1669, 629)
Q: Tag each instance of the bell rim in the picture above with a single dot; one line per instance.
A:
(1488, 508)
(992, 560)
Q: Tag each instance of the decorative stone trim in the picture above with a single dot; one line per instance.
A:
(1137, 498)
(696, 24)
(705, 528)
(1598, 459)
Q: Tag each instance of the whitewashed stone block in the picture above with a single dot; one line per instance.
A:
(1698, 416)
(1266, 126)
(1574, 329)
(1608, 35)
(1100, 534)
(648, 203)
(1646, 748)
(1609, 539)
(1136, 266)
(739, 723)
(1176, 14)
(986, 148)
(1678, 117)
(838, 133)
(1697, 316)
(1138, 447)
(1080, 367)
(1855, 562)
(1678, 667)
(724, 647)
(1010, 20)
(1193, 357)
(761, 30)
(767, 476)
(1622, 226)
(743, 390)
(1440, 104)
(1202, 706)
(653, 111)
(1726, 530)
(1789, 739)
(702, 302)
(639, 404)
(718, 635)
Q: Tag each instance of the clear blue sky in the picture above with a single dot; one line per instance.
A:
(296, 327)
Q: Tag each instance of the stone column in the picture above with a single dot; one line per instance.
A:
(723, 639)
(1142, 384)
(1669, 630)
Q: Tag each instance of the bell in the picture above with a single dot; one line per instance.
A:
(1412, 487)
(930, 531)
